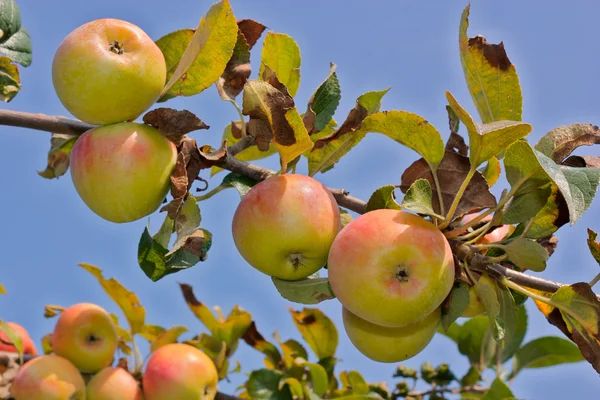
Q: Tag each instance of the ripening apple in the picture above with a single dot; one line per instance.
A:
(48, 377)
(179, 371)
(494, 236)
(284, 226)
(114, 383)
(86, 335)
(476, 306)
(390, 345)
(28, 345)
(108, 71)
(390, 267)
(122, 171)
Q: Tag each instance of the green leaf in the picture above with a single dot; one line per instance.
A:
(498, 391)
(317, 330)
(492, 171)
(490, 139)
(163, 236)
(127, 301)
(240, 182)
(318, 378)
(214, 348)
(418, 198)
(233, 328)
(383, 198)
(457, 303)
(527, 254)
(251, 153)
(410, 130)
(543, 352)
(475, 341)
(254, 339)
(13, 337)
(201, 311)
(357, 383)
(489, 298)
(188, 218)
(281, 53)
(323, 103)
(15, 42)
(196, 59)
(515, 321)
(59, 155)
(168, 336)
(305, 291)
(263, 384)
(295, 387)
(521, 165)
(345, 216)
(593, 245)
(275, 108)
(491, 77)
(2, 289)
(157, 261)
(329, 149)
(10, 83)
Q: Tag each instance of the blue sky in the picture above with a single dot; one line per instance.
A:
(411, 47)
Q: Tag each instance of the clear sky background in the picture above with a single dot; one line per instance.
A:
(411, 47)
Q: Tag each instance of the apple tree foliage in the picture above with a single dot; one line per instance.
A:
(549, 187)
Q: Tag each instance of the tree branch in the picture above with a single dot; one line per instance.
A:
(463, 252)
(439, 390)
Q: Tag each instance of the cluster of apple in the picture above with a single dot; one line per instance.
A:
(80, 366)
(107, 72)
(391, 270)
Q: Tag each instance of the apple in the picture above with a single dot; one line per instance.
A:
(179, 371)
(284, 226)
(390, 267)
(86, 335)
(48, 377)
(28, 345)
(122, 171)
(476, 306)
(114, 383)
(390, 345)
(108, 71)
(494, 236)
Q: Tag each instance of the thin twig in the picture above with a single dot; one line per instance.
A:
(441, 390)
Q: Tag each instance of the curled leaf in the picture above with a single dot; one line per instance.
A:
(174, 124)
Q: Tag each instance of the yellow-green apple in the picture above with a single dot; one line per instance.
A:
(390, 267)
(122, 171)
(48, 377)
(114, 383)
(28, 345)
(390, 345)
(108, 71)
(179, 371)
(284, 226)
(476, 306)
(86, 335)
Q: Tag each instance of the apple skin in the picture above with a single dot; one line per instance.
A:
(179, 371)
(494, 236)
(284, 226)
(122, 171)
(48, 377)
(390, 267)
(390, 345)
(28, 345)
(86, 335)
(476, 306)
(114, 383)
(100, 86)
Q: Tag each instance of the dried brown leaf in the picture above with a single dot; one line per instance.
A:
(174, 124)
(452, 171)
(457, 144)
(495, 54)
(261, 132)
(582, 161)
(549, 243)
(251, 30)
(351, 124)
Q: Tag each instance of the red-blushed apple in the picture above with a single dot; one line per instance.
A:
(390, 345)
(28, 345)
(48, 377)
(114, 383)
(86, 335)
(179, 371)
(476, 306)
(122, 171)
(284, 226)
(390, 267)
(108, 71)
(494, 236)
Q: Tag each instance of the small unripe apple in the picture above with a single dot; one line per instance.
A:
(476, 306)
(114, 383)
(28, 345)
(284, 226)
(122, 171)
(390, 345)
(179, 371)
(86, 335)
(108, 71)
(390, 267)
(48, 377)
